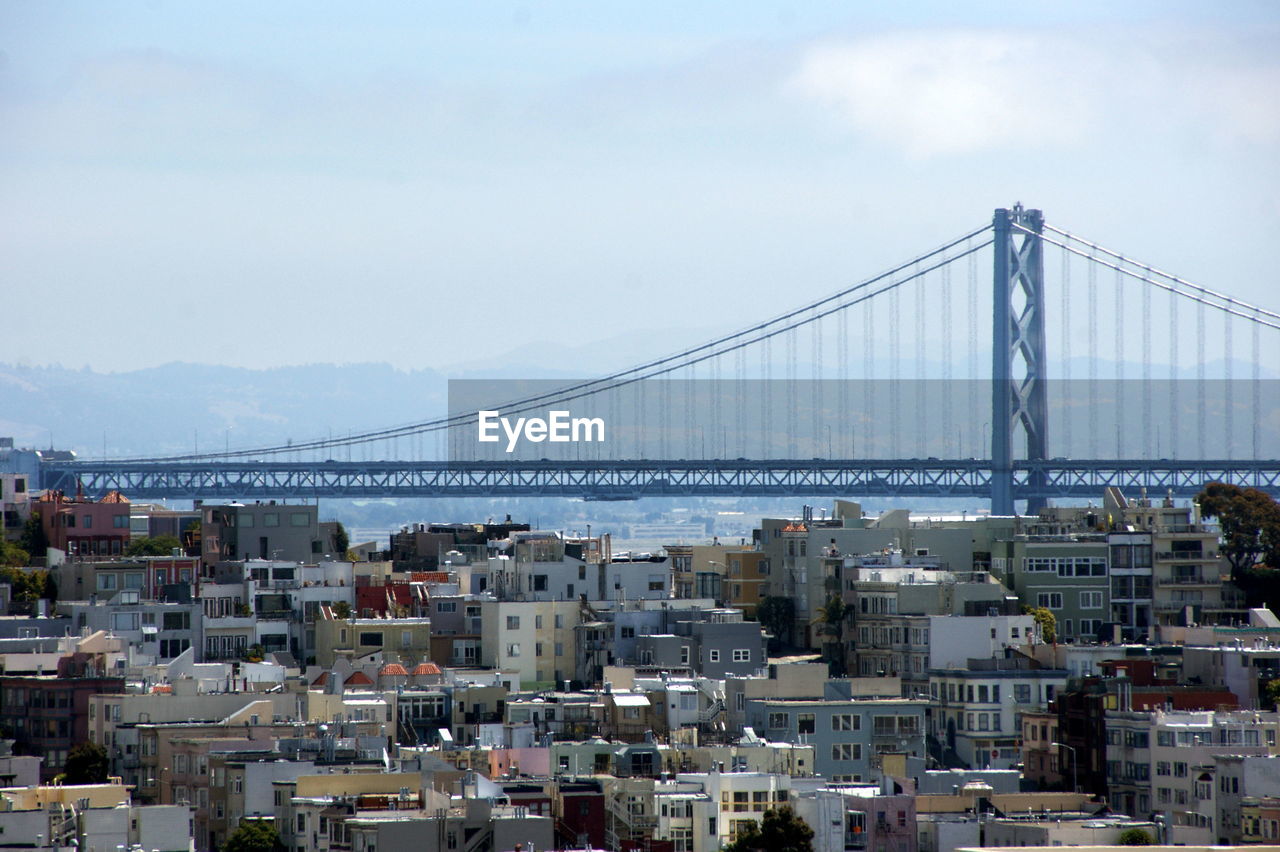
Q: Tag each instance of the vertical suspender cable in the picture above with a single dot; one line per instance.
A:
(944, 337)
(816, 395)
(918, 418)
(1093, 359)
(1200, 400)
(895, 372)
(869, 413)
(973, 416)
(1228, 374)
(1068, 409)
(1118, 395)
(843, 420)
(1256, 389)
(1175, 407)
(1145, 443)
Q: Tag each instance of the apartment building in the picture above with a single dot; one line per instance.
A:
(977, 711)
(848, 735)
(1164, 761)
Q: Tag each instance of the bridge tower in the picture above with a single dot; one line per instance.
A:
(1018, 374)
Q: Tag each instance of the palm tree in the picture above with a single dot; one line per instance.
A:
(830, 622)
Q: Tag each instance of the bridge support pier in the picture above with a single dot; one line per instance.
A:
(1018, 392)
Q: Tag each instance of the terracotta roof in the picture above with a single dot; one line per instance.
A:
(358, 679)
(426, 669)
(392, 669)
(162, 687)
(322, 680)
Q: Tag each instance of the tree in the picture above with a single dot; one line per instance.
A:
(831, 622)
(254, 835)
(1250, 524)
(87, 763)
(34, 541)
(780, 831)
(1273, 692)
(342, 610)
(341, 541)
(13, 556)
(1046, 620)
(25, 585)
(161, 545)
(777, 614)
(1134, 837)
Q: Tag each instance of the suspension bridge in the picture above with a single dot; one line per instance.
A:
(890, 387)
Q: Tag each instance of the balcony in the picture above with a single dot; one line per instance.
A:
(1175, 606)
(1182, 556)
(1189, 580)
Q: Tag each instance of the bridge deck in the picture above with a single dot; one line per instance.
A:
(625, 480)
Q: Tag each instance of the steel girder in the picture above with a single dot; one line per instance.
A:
(1039, 479)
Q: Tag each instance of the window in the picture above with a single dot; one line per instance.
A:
(1091, 600)
(627, 633)
(713, 655)
(371, 637)
(742, 655)
(779, 721)
(1022, 693)
(271, 519)
(299, 519)
(513, 649)
(684, 655)
(845, 722)
(1049, 600)
(806, 723)
(446, 606)
(846, 751)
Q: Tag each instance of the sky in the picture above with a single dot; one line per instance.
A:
(433, 184)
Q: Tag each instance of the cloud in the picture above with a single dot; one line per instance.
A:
(958, 92)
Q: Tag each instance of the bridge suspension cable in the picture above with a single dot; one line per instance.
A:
(760, 332)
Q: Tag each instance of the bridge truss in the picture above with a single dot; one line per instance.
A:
(629, 480)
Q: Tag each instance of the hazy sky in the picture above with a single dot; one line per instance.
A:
(426, 184)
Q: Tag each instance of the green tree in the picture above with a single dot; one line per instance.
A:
(780, 831)
(342, 610)
(1250, 524)
(1134, 837)
(341, 541)
(1046, 620)
(1273, 692)
(34, 541)
(12, 555)
(25, 585)
(831, 623)
(161, 545)
(87, 763)
(254, 835)
(778, 615)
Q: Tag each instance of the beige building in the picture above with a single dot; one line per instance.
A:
(407, 640)
(534, 638)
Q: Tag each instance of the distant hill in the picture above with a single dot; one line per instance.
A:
(173, 407)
